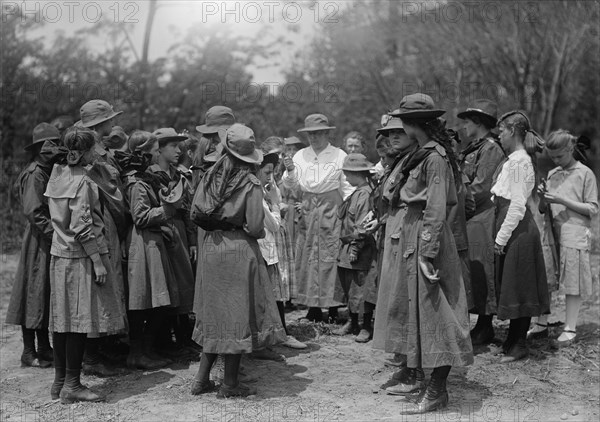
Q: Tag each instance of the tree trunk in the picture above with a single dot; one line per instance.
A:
(144, 73)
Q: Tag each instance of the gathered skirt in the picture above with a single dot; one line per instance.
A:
(318, 249)
(234, 303)
(78, 304)
(521, 282)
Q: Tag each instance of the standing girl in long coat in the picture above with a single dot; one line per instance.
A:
(520, 271)
(430, 321)
(151, 282)
(390, 214)
(30, 297)
(82, 300)
(232, 313)
(479, 160)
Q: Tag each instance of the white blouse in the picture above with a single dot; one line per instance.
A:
(515, 183)
(319, 173)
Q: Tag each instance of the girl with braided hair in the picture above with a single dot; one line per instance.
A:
(430, 324)
(521, 282)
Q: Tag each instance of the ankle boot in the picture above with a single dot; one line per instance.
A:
(73, 391)
(59, 381)
(138, 360)
(435, 397)
(483, 333)
(413, 382)
(44, 351)
(366, 333)
(350, 327)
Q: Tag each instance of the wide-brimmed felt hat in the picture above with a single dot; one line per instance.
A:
(417, 106)
(292, 140)
(116, 138)
(216, 118)
(166, 135)
(239, 141)
(357, 162)
(42, 133)
(174, 192)
(393, 123)
(315, 122)
(95, 112)
(487, 109)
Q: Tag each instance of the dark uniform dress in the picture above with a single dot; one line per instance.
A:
(151, 280)
(233, 300)
(480, 160)
(182, 236)
(429, 321)
(353, 274)
(392, 214)
(30, 297)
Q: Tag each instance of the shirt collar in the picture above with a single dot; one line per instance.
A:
(518, 154)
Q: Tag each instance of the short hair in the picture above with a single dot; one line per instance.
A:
(271, 143)
(355, 135)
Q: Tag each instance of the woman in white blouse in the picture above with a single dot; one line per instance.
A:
(520, 273)
(317, 171)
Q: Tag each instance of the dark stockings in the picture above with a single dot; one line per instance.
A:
(232, 370)
(281, 309)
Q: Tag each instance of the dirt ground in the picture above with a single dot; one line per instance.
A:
(335, 379)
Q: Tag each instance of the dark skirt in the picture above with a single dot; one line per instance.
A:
(235, 307)
(480, 232)
(428, 322)
(29, 304)
(520, 273)
(181, 264)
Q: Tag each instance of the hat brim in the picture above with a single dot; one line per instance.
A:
(255, 157)
(386, 129)
(293, 143)
(97, 121)
(168, 139)
(40, 141)
(419, 114)
(315, 129)
(207, 130)
(357, 170)
(466, 114)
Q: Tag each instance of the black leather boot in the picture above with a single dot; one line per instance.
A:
(435, 397)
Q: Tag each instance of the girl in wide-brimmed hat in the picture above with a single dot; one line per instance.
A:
(433, 329)
(520, 267)
(82, 301)
(357, 249)
(231, 302)
(30, 296)
(478, 161)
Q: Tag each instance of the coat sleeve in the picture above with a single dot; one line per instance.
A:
(35, 204)
(480, 186)
(81, 224)
(436, 172)
(142, 212)
(255, 214)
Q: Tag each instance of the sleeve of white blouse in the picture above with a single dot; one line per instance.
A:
(518, 177)
(290, 179)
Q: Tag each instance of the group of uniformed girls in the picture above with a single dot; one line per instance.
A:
(135, 234)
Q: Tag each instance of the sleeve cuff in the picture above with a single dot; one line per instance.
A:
(429, 240)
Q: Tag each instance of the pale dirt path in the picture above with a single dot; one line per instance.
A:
(335, 380)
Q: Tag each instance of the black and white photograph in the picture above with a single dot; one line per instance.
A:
(299, 211)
